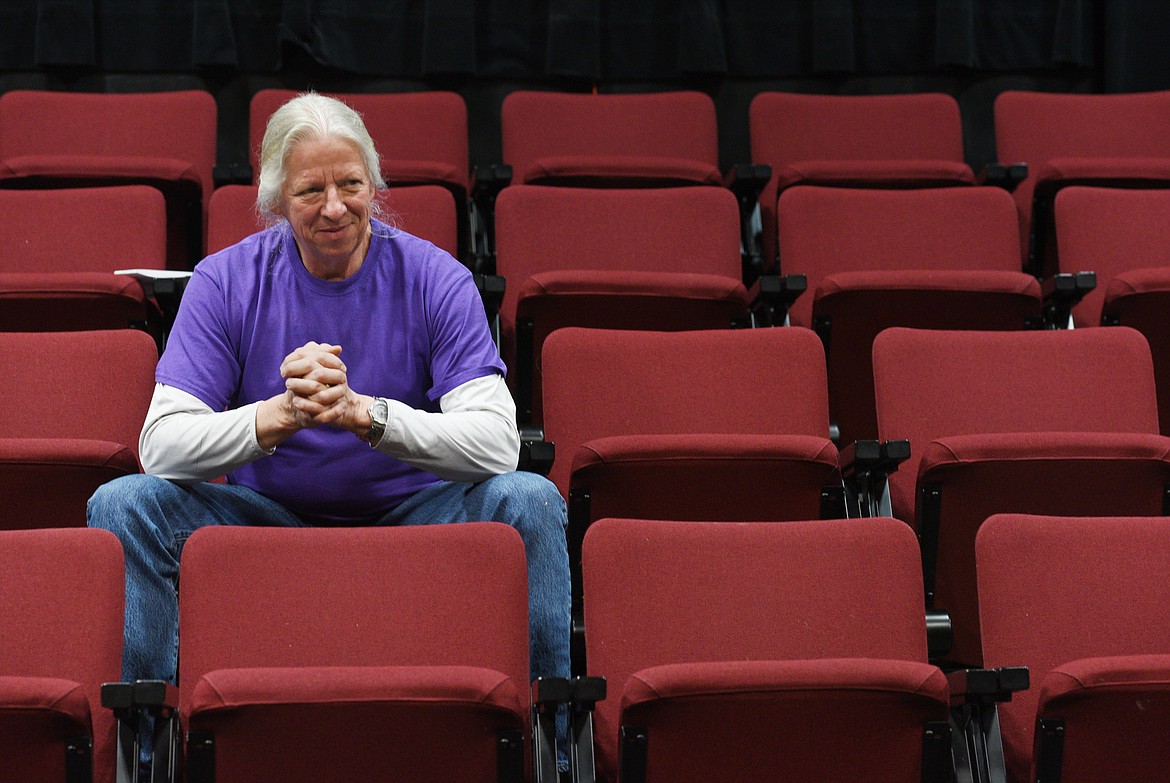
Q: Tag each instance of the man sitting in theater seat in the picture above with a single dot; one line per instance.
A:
(337, 371)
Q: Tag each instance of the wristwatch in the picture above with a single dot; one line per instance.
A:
(379, 415)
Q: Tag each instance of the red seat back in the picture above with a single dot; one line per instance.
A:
(1054, 590)
(600, 383)
(62, 619)
(898, 139)
(655, 138)
(659, 593)
(420, 136)
(1110, 231)
(93, 237)
(417, 596)
(1056, 133)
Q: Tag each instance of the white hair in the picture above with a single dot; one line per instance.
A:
(309, 116)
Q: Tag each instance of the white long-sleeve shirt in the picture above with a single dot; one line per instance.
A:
(472, 438)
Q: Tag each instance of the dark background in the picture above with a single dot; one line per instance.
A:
(483, 49)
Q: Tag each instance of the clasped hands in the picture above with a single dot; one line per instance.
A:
(317, 392)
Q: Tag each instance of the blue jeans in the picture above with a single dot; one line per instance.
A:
(153, 518)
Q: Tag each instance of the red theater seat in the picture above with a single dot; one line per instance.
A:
(63, 279)
(89, 395)
(629, 140)
(941, 258)
(1082, 602)
(1074, 139)
(60, 639)
(1043, 422)
(663, 259)
(757, 651)
(394, 654)
(907, 141)
(164, 139)
(710, 425)
(1123, 236)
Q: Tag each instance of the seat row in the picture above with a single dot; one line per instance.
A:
(726, 424)
(750, 651)
(1045, 141)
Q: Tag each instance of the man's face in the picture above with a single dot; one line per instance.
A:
(326, 200)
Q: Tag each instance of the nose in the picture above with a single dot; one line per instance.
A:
(334, 208)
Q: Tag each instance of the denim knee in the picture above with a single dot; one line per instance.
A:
(114, 505)
(525, 499)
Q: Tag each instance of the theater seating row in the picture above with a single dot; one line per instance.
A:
(724, 424)
(731, 650)
(656, 139)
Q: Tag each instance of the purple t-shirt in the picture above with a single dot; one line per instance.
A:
(411, 326)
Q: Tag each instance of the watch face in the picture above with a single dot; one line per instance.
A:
(379, 415)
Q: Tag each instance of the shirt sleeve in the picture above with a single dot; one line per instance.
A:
(473, 438)
(185, 441)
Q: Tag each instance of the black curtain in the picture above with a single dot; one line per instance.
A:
(593, 40)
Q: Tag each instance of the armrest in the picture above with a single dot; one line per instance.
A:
(486, 183)
(747, 181)
(580, 696)
(536, 453)
(491, 291)
(1061, 293)
(977, 745)
(586, 692)
(987, 686)
(940, 632)
(1003, 175)
(548, 695)
(154, 696)
(130, 702)
(866, 466)
(770, 297)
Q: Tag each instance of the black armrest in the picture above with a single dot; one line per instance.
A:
(1061, 293)
(130, 702)
(770, 296)
(866, 466)
(859, 457)
(977, 746)
(987, 686)
(586, 692)
(491, 291)
(154, 696)
(548, 695)
(536, 453)
(746, 181)
(940, 632)
(490, 179)
(1003, 175)
(486, 183)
